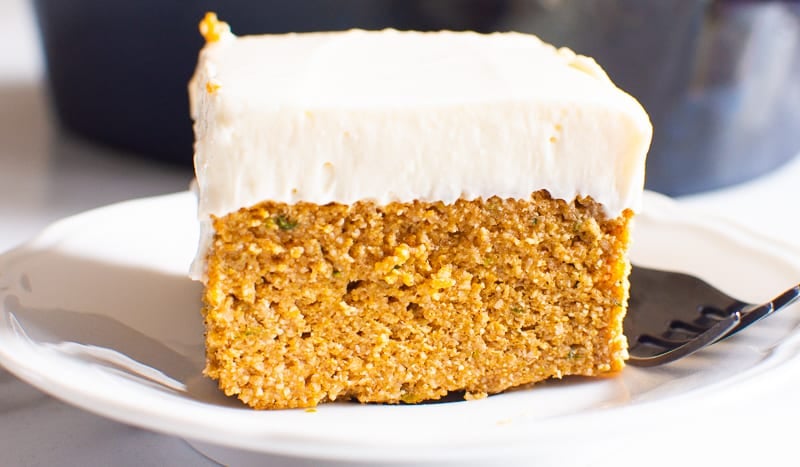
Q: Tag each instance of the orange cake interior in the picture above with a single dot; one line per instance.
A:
(409, 301)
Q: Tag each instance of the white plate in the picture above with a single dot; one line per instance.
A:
(98, 311)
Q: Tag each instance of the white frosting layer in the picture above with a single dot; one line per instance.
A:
(397, 116)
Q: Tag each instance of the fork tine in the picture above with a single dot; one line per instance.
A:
(713, 334)
(757, 313)
(661, 341)
(686, 325)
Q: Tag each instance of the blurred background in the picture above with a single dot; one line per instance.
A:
(720, 78)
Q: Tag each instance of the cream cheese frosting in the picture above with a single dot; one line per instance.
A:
(400, 116)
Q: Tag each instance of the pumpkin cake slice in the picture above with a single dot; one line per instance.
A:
(391, 216)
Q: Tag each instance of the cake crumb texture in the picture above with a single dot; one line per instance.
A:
(407, 302)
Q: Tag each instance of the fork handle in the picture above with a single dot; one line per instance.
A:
(759, 312)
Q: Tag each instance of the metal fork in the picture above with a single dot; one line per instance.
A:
(673, 315)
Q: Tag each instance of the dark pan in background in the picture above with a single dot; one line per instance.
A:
(720, 79)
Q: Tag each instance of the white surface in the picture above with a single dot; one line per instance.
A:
(45, 176)
(98, 311)
(399, 116)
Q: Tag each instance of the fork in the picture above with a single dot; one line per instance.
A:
(673, 315)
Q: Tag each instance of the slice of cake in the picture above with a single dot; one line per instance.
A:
(392, 216)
